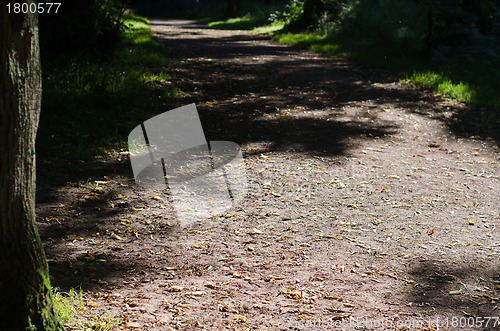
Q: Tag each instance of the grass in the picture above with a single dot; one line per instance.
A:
(73, 312)
(254, 16)
(394, 44)
(474, 82)
(89, 107)
(258, 23)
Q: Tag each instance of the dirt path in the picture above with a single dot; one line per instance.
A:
(365, 206)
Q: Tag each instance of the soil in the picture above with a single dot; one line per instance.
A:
(371, 205)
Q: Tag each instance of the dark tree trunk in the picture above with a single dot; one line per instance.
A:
(232, 7)
(312, 9)
(430, 27)
(25, 293)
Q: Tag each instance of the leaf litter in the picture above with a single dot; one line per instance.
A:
(401, 225)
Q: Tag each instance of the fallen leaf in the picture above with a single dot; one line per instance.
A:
(392, 275)
(254, 231)
(471, 222)
(296, 294)
(334, 296)
(115, 236)
(196, 293)
(210, 284)
(174, 288)
(456, 292)
(340, 316)
(241, 318)
(92, 304)
(132, 325)
(431, 231)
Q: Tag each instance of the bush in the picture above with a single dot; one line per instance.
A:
(86, 27)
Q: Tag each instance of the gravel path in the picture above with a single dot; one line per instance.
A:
(365, 205)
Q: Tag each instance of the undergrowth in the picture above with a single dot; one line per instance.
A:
(91, 105)
(74, 312)
(393, 37)
(254, 15)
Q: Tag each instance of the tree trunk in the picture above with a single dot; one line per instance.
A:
(25, 292)
(232, 7)
(312, 9)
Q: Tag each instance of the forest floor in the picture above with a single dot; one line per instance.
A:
(371, 205)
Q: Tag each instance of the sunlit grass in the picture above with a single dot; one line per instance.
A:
(74, 312)
(475, 83)
(255, 15)
(442, 84)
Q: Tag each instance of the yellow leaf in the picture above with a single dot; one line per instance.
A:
(392, 275)
(254, 231)
(196, 293)
(98, 190)
(334, 296)
(455, 292)
(174, 288)
(132, 325)
(471, 222)
(296, 294)
(92, 304)
(115, 236)
(431, 231)
(210, 284)
(240, 318)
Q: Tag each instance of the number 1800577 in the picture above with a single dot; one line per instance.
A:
(31, 8)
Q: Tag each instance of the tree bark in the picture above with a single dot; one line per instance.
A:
(312, 8)
(232, 7)
(25, 292)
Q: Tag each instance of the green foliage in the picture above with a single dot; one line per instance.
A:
(91, 105)
(74, 313)
(84, 27)
(475, 82)
(254, 15)
(468, 29)
(292, 12)
(447, 46)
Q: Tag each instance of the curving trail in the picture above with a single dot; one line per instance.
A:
(365, 204)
